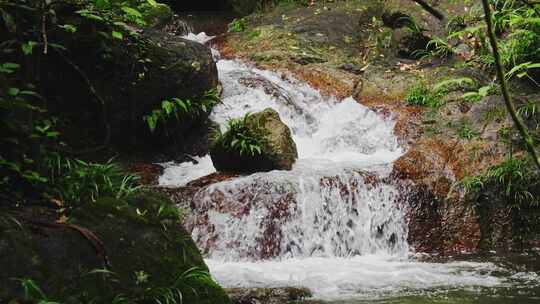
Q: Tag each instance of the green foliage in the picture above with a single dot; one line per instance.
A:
(411, 26)
(437, 47)
(474, 96)
(237, 25)
(32, 292)
(181, 110)
(185, 282)
(77, 181)
(27, 128)
(518, 28)
(465, 130)
(513, 177)
(454, 84)
(240, 137)
(472, 183)
(20, 172)
(528, 110)
(421, 95)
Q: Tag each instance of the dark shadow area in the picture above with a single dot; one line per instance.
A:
(199, 5)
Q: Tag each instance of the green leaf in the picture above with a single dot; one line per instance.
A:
(69, 28)
(8, 67)
(58, 46)
(152, 2)
(117, 35)
(89, 15)
(131, 12)
(13, 91)
(28, 47)
(167, 106)
(102, 4)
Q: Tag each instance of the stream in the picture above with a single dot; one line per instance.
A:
(335, 224)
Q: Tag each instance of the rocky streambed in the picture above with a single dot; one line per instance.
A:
(348, 222)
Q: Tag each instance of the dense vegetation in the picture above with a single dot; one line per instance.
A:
(58, 135)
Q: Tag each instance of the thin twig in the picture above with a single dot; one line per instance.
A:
(529, 143)
(44, 28)
(430, 9)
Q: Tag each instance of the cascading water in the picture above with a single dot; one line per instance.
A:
(331, 224)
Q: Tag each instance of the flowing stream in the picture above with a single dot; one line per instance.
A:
(333, 224)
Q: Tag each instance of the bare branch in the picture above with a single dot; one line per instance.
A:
(430, 9)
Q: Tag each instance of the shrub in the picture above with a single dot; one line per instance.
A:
(421, 95)
(515, 178)
(240, 137)
(76, 181)
(181, 110)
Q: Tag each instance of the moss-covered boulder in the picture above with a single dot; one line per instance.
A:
(275, 150)
(157, 15)
(134, 249)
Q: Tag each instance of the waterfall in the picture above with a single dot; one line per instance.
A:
(333, 223)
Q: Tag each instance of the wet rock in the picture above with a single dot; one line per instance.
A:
(278, 150)
(464, 51)
(408, 44)
(134, 247)
(395, 20)
(284, 295)
(262, 209)
(157, 15)
(352, 68)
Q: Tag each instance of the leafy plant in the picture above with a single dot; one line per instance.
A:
(237, 25)
(77, 181)
(240, 137)
(411, 26)
(32, 292)
(516, 177)
(437, 47)
(474, 96)
(176, 293)
(528, 110)
(522, 70)
(454, 84)
(465, 130)
(29, 132)
(421, 95)
(181, 109)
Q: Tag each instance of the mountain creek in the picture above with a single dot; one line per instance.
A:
(267, 152)
(346, 223)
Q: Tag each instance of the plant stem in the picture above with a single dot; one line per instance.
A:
(529, 143)
(430, 9)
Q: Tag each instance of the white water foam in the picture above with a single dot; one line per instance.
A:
(322, 225)
(359, 277)
(179, 174)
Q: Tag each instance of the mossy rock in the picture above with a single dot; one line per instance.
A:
(278, 150)
(140, 241)
(157, 15)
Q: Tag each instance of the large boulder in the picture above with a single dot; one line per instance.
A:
(278, 150)
(134, 248)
